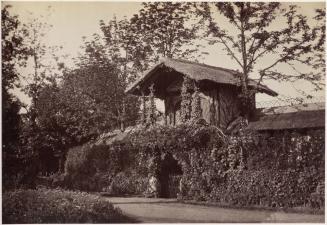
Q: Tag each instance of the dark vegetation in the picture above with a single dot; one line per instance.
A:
(281, 171)
(58, 206)
(103, 168)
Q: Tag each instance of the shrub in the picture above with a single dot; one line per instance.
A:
(127, 183)
(58, 206)
(103, 168)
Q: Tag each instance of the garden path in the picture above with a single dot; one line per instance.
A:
(149, 210)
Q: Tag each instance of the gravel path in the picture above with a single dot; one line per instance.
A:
(170, 211)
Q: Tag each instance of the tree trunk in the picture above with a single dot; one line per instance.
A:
(62, 159)
(244, 77)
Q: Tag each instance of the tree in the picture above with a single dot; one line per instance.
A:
(13, 50)
(13, 53)
(97, 88)
(252, 35)
(164, 29)
(318, 60)
(46, 64)
(125, 47)
(38, 142)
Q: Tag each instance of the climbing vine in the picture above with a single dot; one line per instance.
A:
(144, 112)
(274, 170)
(152, 108)
(196, 104)
(186, 104)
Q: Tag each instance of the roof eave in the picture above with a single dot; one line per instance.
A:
(136, 85)
(132, 89)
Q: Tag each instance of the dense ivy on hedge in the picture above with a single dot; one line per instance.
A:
(274, 170)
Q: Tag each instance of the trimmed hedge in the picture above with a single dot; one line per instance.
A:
(58, 206)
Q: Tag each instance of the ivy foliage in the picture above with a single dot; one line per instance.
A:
(198, 148)
(278, 170)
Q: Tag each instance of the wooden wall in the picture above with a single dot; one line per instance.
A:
(220, 105)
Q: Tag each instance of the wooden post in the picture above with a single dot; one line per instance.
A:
(166, 105)
(152, 109)
(196, 104)
(143, 116)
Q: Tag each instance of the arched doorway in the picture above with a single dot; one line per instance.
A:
(170, 176)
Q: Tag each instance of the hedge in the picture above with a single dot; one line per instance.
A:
(270, 188)
(58, 206)
(274, 170)
(102, 168)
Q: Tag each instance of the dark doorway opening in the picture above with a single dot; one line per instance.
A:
(170, 176)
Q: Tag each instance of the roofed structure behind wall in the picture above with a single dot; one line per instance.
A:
(290, 121)
(168, 69)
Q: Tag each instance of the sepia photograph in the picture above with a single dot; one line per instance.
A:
(163, 112)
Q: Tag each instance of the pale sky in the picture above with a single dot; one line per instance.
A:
(73, 20)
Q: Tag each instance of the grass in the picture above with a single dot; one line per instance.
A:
(58, 206)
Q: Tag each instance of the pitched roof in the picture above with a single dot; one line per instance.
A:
(293, 120)
(198, 72)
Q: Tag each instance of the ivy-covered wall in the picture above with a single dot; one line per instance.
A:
(279, 170)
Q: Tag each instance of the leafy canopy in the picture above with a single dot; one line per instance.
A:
(257, 31)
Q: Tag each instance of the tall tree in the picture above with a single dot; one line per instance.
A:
(259, 30)
(98, 86)
(166, 29)
(45, 69)
(43, 61)
(124, 47)
(13, 53)
(126, 50)
(318, 60)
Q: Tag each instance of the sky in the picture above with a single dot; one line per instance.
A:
(73, 20)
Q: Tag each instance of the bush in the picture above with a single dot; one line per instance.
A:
(103, 168)
(57, 206)
(127, 183)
